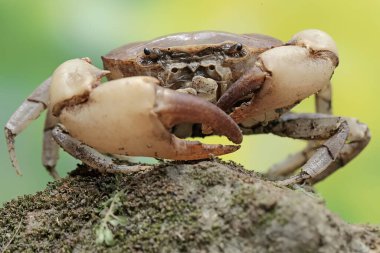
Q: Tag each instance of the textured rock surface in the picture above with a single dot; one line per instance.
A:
(208, 206)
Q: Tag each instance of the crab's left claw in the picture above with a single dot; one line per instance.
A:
(248, 83)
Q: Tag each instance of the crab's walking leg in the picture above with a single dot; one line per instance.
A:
(323, 100)
(50, 149)
(90, 156)
(358, 139)
(291, 163)
(29, 110)
(344, 139)
(295, 161)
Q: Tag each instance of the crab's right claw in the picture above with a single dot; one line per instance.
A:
(174, 108)
(133, 116)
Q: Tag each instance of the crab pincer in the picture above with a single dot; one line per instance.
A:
(133, 116)
(174, 108)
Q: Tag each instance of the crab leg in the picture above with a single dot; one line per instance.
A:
(28, 111)
(50, 148)
(294, 161)
(90, 156)
(323, 100)
(344, 139)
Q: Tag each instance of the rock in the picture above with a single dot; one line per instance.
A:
(208, 206)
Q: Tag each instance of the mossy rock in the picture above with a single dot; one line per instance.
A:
(208, 206)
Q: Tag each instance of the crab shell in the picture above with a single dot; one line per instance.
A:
(294, 70)
(128, 60)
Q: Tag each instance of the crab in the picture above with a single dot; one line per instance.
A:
(194, 85)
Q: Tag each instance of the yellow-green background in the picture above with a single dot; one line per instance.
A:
(36, 36)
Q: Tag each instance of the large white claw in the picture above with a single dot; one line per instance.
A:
(132, 116)
(300, 68)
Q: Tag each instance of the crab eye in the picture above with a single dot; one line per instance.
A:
(147, 51)
(233, 48)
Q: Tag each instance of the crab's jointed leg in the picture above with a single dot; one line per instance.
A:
(344, 138)
(323, 100)
(294, 161)
(291, 163)
(50, 149)
(358, 139)
(28, 111)
(90, 156)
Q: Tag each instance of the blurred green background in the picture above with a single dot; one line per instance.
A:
(36, 36)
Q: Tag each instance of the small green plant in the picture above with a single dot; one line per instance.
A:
(108, 218)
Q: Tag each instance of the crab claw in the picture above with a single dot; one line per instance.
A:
(133, 116)
(245, 85)
(174, 108)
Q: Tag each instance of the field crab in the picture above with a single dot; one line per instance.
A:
(195, 84)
